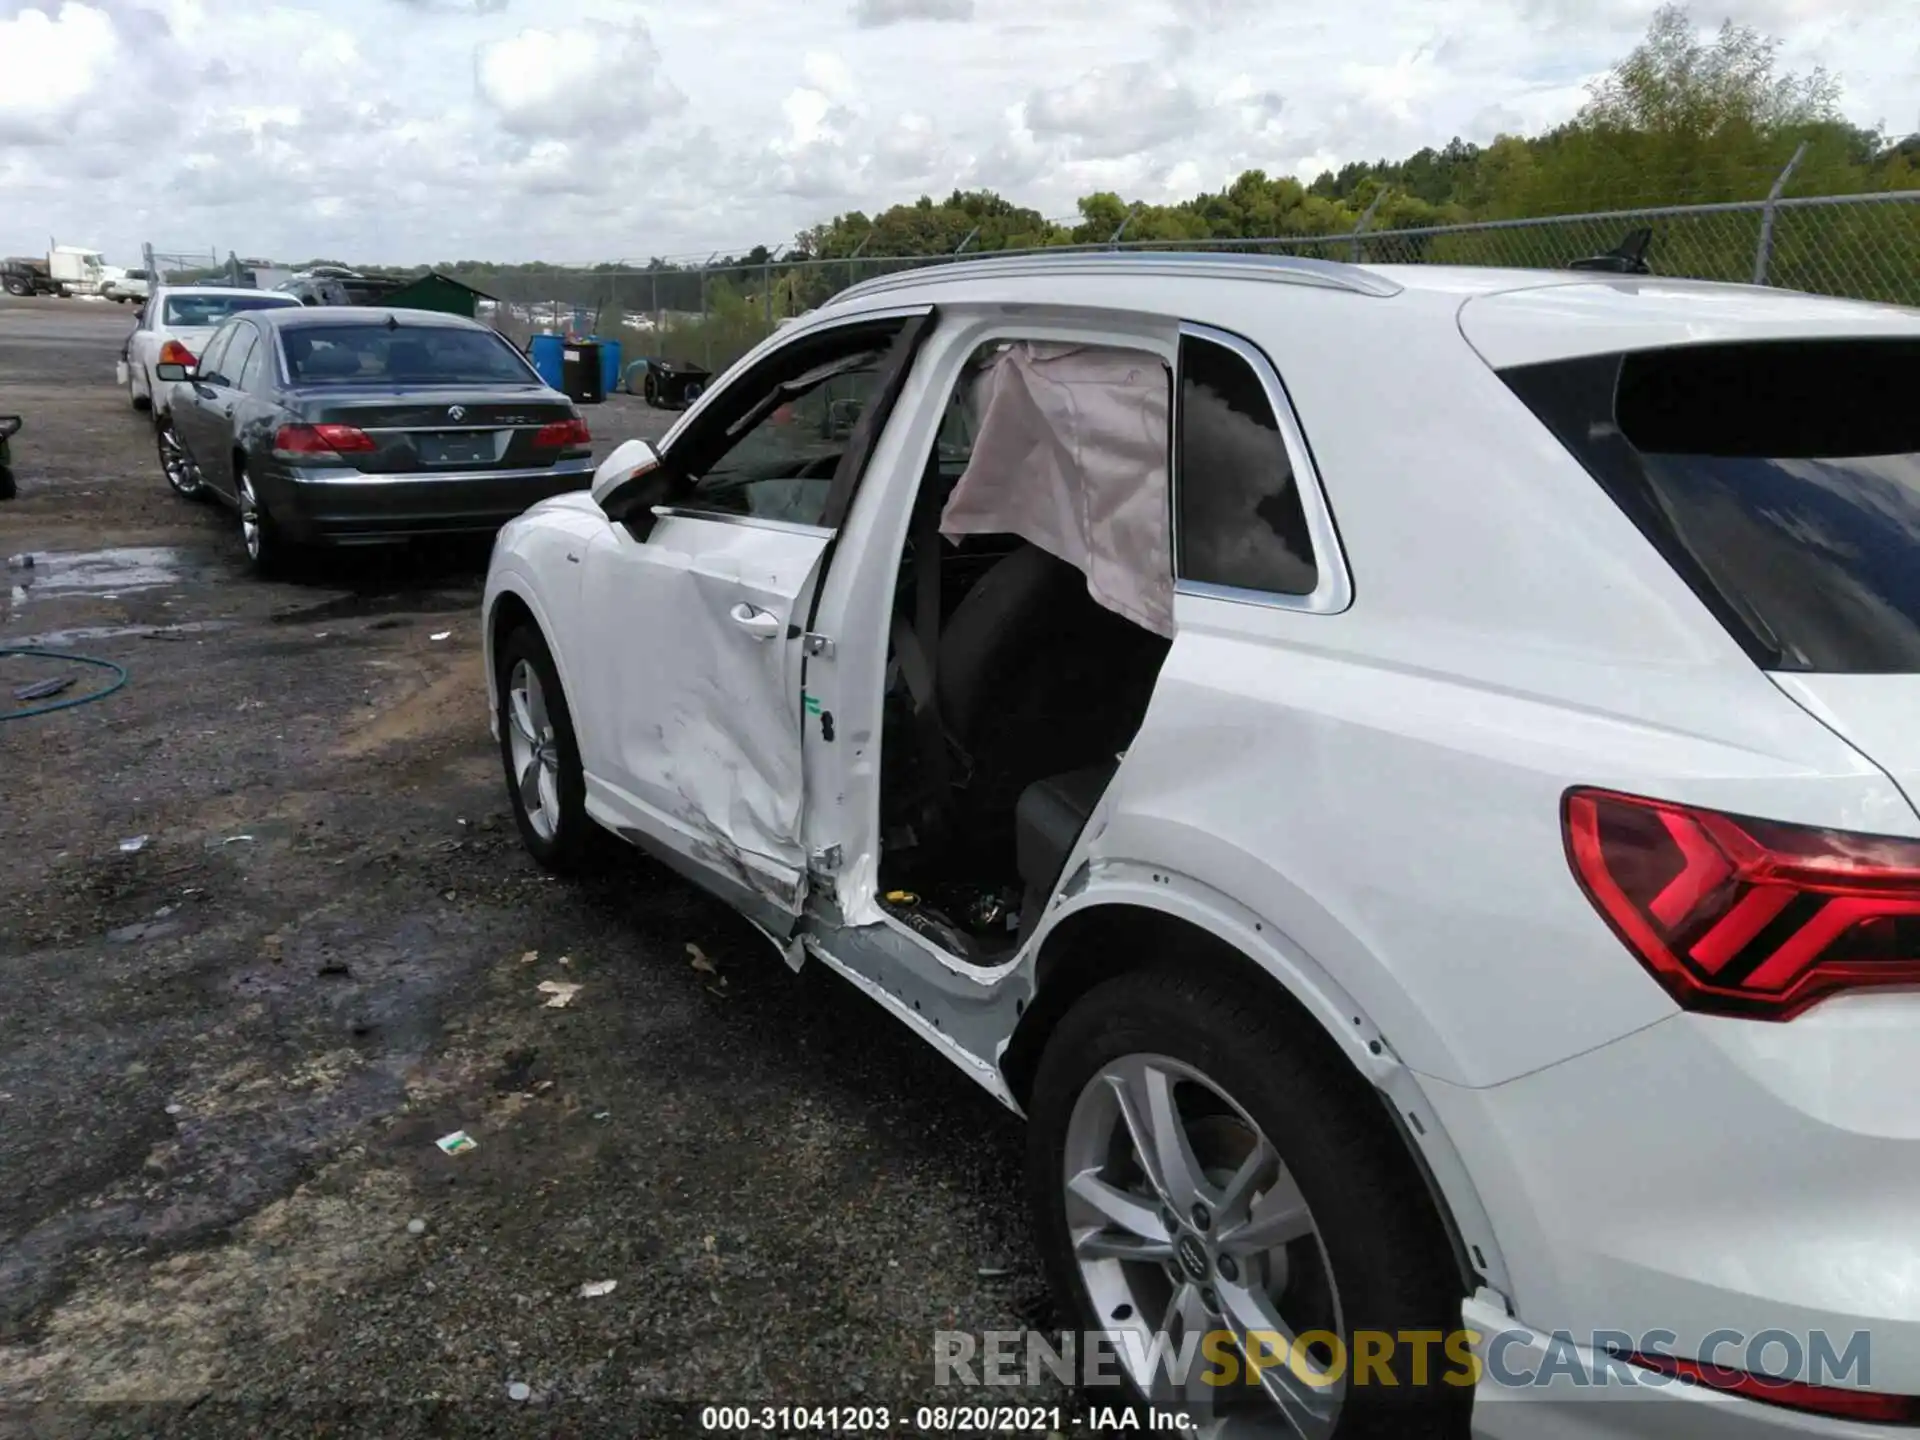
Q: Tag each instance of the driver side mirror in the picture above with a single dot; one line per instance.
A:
(624, 485)
(168, 370)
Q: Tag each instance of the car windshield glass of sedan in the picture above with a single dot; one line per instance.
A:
(1780, 479)
(189, 311)
(381, 354)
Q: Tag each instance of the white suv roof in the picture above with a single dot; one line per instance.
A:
(1511, 316)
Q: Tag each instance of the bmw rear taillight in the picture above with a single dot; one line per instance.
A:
(174, 353)
(320, 442)
(1873, 1407)
(1747, 917)
(564, 435)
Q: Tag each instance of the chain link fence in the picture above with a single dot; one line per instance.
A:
(1863, 246)
(710, 311)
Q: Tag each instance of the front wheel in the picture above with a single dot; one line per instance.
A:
(176, 463)
(545, 781)
(1205, 1170)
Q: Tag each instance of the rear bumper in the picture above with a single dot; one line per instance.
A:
(331, 505)
(1540, 1387)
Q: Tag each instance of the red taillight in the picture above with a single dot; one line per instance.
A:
(324, 441)
(1870, 1406)
(1747, 917)
(174, 353)
(563, 435)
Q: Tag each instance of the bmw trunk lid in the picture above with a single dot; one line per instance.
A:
(454, 431)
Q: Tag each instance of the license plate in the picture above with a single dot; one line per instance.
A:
(455, 449)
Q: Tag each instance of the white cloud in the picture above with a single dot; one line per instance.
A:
(1117, 110)
(49, 64)
(872, 14)
(564, 82)
(417, 130)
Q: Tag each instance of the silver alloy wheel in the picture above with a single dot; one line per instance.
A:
(536, 759)
(1186, 1222)
(249, 513)
(182, 474)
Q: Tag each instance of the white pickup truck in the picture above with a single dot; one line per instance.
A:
(121, 286)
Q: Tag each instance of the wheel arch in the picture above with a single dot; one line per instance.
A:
(513, 604)
(1113, 929)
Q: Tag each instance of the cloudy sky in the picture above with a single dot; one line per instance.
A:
(576, 130)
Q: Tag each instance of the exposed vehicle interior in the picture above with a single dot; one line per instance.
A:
(1017, 677)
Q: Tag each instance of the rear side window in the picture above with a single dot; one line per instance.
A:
(1239, 519)
(1781, 480)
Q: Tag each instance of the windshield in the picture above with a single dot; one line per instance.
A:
(205, 311)
(379, 354)
(1781, 480)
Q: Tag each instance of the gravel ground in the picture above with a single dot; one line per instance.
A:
(225, 1056)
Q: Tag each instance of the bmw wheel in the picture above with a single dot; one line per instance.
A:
(267, 552)
(541, 758)
(175, 463)
(1205, 1169)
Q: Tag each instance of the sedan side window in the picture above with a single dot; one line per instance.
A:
(211, 357)
(240, 351)
(1240, 521)
(254, 378)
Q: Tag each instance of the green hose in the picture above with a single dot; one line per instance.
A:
(119, 679)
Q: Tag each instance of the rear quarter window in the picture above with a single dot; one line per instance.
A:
(1240, 522)
(1780, 479)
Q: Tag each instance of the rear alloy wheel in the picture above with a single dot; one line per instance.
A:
(182, 474)
(267, 553)
(1204, 1170)
(545, 782)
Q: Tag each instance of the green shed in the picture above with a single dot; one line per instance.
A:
(434, 291)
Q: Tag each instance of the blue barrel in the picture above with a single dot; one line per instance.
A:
(545, 353)
(609, 365)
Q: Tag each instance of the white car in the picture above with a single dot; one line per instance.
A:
(1405, 777)
(125, 286)
(174, 326)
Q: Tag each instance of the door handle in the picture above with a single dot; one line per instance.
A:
(761, 624)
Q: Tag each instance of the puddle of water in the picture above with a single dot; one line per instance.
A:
(59, 639)
(96, 572)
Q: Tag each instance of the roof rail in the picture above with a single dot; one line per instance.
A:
(1280, 269)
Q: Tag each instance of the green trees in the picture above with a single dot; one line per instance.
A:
(1686, 118)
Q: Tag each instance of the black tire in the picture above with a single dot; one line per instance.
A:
(268, 552)
(652, 393)
(181, 472)
(19, 288)
(1389, 1257)
(575, 841)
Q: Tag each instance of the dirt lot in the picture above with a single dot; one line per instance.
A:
(225, 1056)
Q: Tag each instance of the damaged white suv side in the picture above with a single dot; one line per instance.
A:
(1403, 776)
